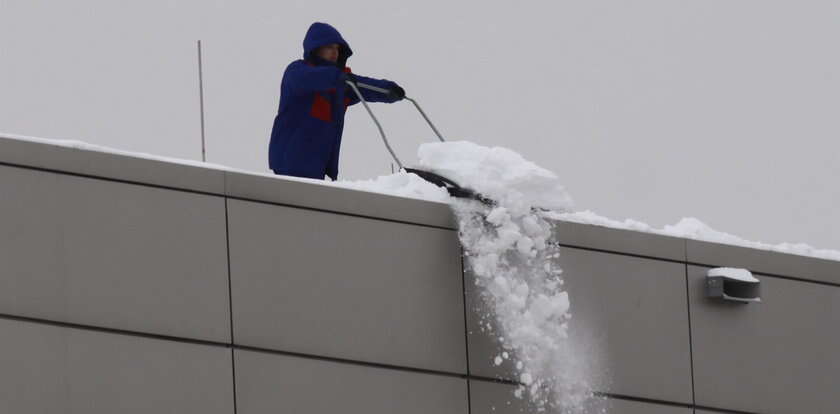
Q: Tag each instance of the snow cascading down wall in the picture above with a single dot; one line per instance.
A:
(132, 285)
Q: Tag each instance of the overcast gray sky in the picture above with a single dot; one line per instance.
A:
(728, 111)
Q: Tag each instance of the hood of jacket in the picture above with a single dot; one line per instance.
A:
(322, 34)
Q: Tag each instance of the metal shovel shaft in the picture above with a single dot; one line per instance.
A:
(416, 105)
(355, 86)
(376, 121)
(440, 137)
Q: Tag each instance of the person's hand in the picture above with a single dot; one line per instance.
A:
(347, 76)
(396, 92)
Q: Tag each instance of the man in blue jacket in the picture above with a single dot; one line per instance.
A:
(314, 95)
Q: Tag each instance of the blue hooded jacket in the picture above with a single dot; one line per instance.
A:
(306, 136)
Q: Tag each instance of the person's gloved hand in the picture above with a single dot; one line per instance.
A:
(396, 92)
(347, 76)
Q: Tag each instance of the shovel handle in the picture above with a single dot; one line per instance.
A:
(376, 121)
(416, 105)
(428, 121)
(373, 88)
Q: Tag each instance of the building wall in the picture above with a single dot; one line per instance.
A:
(135, 285)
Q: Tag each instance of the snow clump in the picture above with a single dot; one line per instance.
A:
(515, 267)
(496, 173)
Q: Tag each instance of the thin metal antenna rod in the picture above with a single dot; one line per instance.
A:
(201, 103)
(376, 121)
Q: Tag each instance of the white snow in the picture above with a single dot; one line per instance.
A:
(743, 275)
(401, 184)
(479, 166)
(693, 228)
(81, 145)
(497, 173)
(503, 175)
(517, 277)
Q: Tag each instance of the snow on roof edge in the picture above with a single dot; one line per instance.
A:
(361, 185)
(694, 229)
(687, 228)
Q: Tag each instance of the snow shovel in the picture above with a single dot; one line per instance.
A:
(452, 187)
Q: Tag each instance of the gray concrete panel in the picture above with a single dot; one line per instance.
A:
(346, 287)
(110, 165)
(810, 268)
(270, 383)
(629, 323)
(123, 256)
(49, 369)
(620, 241)
(498, 398)
(777, 356)
(323, 196)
